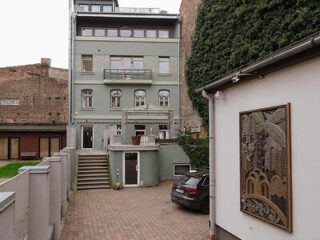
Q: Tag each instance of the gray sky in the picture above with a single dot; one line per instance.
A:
(39, 28)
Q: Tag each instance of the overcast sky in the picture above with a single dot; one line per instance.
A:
(39, 28)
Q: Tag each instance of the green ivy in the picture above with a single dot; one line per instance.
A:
(233, 33)
(198, 154)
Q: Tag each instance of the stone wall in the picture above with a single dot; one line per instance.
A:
(189, 116)
(28, 94)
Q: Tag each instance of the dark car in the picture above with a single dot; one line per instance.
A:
(192, 191)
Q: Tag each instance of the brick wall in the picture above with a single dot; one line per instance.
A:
(42, 99)
(189, 116)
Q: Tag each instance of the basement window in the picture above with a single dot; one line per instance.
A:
(181, 169)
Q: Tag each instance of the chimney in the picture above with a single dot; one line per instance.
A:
(46, 61)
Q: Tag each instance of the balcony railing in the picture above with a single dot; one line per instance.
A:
(127, 74)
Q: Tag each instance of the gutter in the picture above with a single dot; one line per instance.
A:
(212, 165)
(253, 68)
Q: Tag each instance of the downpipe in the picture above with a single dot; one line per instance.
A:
(212, 165)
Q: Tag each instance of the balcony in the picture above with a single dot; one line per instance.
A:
(127, 76)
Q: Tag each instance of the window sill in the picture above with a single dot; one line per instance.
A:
(164, 74)
(86, 73)
(87, 109)
(115, 109)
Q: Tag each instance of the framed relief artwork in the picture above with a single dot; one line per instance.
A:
(265, 165)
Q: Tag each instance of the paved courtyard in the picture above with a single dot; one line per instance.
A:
(132, 214)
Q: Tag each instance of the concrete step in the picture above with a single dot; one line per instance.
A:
(97, 157)
(86, 175)
(93, 187)
(89, 179)
(93, 161)
(102, 164)
(88, 183)
(93, 171)
(93, 167)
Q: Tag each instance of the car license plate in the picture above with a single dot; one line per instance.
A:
(179, 190)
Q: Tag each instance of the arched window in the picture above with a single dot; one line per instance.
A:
(115, 98)
(250, 187)
(140, 97)
(87, 98)
(164, 98)
(265, 190)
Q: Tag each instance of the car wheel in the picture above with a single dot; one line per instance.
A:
(205, 206)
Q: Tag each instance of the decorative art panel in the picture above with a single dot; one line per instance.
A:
(265, 165)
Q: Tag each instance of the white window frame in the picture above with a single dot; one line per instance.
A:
(163, 98)
(82, 128)
(179, 164)
(139, 98)
(124, 170)
(83, 58)
(85, 99)
(166, 60)
(117, 98)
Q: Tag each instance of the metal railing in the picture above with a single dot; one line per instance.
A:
(127, 74)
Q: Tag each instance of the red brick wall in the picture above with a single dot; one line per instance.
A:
(188, 12)
(43, 99)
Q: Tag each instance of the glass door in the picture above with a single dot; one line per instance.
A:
(131, 169)
(87, 137)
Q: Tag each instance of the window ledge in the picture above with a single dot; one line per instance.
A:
(87, 73)
(87, 109)
(115, 109)
(164, 74)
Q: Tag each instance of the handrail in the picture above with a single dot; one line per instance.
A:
(128, 74)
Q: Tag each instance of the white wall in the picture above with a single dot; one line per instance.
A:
(299, 85)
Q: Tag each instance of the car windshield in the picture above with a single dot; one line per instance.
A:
(188, 180)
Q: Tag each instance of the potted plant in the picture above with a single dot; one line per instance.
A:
(136, 140)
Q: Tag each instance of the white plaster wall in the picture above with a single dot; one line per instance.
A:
(299, 85)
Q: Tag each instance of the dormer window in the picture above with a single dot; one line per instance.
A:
(125, 32)
(151, 33)
(95, 8)
(87, 32)
(107, 8)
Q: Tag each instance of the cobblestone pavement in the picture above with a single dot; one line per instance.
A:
(132, 214)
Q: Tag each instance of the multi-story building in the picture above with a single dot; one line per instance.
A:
(124, 81)
(33, 110)
(124, 59)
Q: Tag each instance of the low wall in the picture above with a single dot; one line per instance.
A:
(36, 199)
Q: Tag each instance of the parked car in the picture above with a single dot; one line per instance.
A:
(192, 191)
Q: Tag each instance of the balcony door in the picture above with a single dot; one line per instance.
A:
(127, 64)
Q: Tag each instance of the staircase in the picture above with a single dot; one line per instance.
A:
(93, 172)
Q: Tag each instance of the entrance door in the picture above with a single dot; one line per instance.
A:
(87, 137)
(4, 148)
(14, 148)
(131, 169)
(49, 146)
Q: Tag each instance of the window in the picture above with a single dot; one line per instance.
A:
(140, 130)
(87, 63)
(163, 33)
(95, 8)
(164, 65)
(99, 32)
(87, 98)
(115, 98)
(128, 63)
(119, 130)
(112, 32)
(163, 132)
(181, 169)
(138, 33)
(87, 32)
(125, 32)
(151, 33)
(107, 8)
(164, 98)
(140, 98)
(85, 7)
(206, 182)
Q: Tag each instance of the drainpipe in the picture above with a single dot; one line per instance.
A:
(73, 33)
(212, 165)
(70, 62)
(179, 69)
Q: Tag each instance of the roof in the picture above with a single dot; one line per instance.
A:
(252, 69)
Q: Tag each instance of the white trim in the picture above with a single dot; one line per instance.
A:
(82, 137)
(124, 169)
(177, 164)
(131, 39)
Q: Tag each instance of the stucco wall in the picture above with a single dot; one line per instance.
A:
(169, 155)
(149, 166)
(299, 85)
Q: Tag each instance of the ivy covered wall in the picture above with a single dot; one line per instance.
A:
(232, 33)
